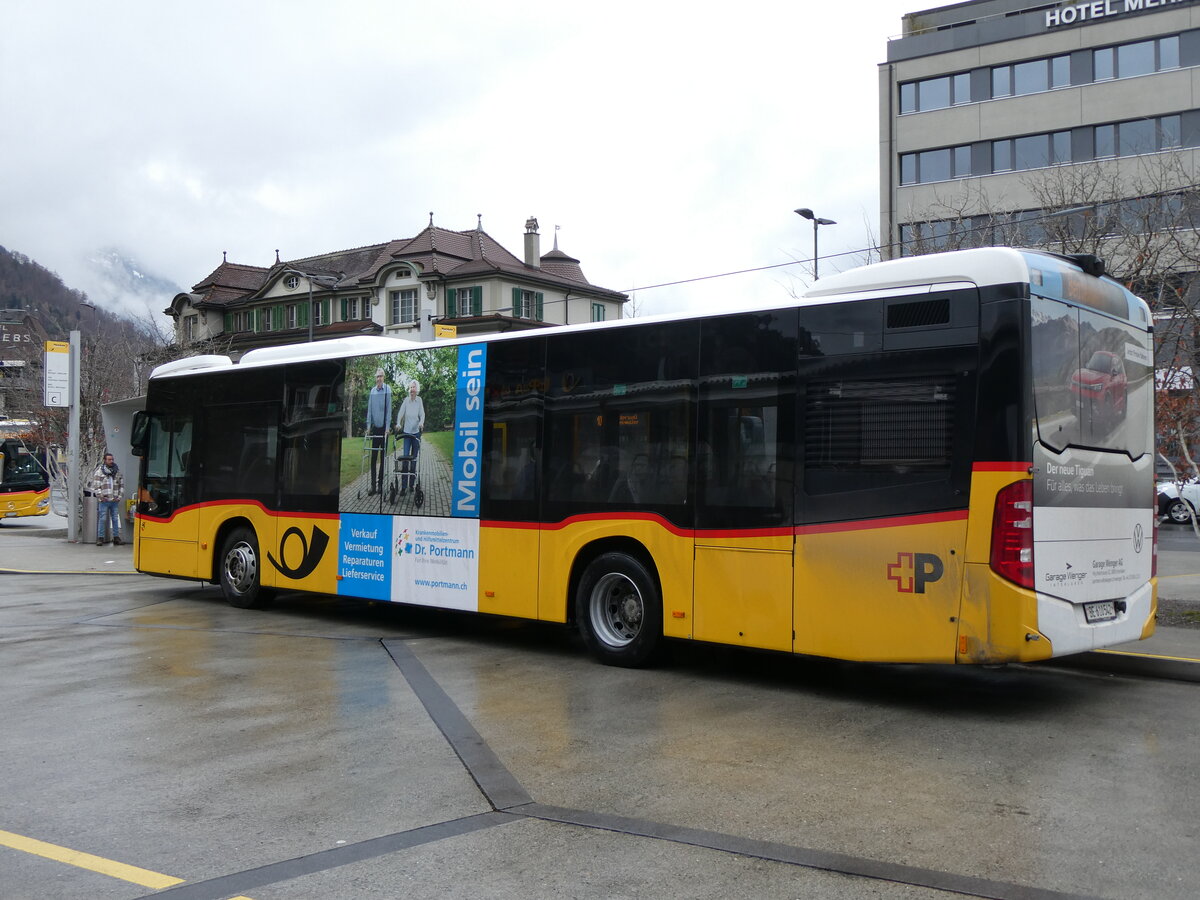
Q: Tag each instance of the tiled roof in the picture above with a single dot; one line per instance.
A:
(234, 275)
(434, 251)
(563, 266)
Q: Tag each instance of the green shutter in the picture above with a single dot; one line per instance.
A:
(302, 314)
(477, 301)
(538, 300)
(516, 304)
(451, 302)
(277, 317)
(325, 311)
(228, 322)
(258, 319)
(344, 310)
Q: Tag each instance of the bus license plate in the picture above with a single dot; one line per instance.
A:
(1099, 612)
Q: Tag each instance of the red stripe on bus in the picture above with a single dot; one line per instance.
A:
(957, 515)
(208, 504)
(695, 533)
(597, 517)
(1001, 467)
(707, 534)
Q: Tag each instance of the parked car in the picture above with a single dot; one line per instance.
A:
(1175, 499)
(1101, 386)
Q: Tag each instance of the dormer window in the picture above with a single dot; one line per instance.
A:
(291, 282)
(401, 274)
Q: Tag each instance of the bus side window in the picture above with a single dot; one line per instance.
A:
(512, 441)
(239, 452)
(311, 436)
(747, 420)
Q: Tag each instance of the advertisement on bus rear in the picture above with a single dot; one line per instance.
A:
(1093, 453)
(411, 466)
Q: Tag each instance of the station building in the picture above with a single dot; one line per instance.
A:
(399, 288)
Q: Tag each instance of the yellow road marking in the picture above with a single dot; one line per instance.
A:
(1151, 656)
(108, 867)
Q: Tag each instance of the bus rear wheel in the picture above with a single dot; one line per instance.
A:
(240, 582)
(619, 610)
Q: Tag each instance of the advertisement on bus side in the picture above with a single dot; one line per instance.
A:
(411, 467)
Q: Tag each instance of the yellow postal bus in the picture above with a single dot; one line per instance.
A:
(939, 459)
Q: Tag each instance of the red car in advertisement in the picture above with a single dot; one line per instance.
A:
(1101, 386)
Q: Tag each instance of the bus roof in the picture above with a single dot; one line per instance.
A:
(1048, 274)
(982, 266)
(979, 267)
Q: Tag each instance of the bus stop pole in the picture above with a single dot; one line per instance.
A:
(75, 464)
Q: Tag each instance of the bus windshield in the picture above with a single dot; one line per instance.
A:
(22, 467)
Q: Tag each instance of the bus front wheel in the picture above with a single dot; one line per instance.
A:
(619, 610)
(240, 582)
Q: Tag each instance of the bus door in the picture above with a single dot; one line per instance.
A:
(887, 406)
(166, 529)
(744, 541)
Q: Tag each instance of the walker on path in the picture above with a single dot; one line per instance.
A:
(405, 474)
(370, 449)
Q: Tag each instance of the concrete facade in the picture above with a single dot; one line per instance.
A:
(981, 102)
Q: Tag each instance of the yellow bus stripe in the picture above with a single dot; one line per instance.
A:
(108, 867)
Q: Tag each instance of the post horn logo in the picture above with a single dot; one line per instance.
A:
(311, 551)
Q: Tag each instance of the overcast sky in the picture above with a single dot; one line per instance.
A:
(668, 141)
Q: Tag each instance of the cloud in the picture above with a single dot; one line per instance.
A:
(667, 146)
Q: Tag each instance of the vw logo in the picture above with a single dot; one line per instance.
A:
(1137, 538)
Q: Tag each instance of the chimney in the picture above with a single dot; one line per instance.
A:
(533, 243)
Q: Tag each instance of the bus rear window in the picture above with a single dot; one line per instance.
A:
(1092, 379)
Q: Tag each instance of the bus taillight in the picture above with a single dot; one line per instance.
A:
(1012, 534)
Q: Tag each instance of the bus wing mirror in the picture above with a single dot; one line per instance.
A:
(138, 435)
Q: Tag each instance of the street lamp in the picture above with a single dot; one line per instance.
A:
(808, 214)
(327, 280)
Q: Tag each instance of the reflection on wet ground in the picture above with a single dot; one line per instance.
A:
(268, 735)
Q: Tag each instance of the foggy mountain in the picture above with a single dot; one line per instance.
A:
(118, 299)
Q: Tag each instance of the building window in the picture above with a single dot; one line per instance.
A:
(466, 301)
(239, 321)
(527, 304)
(351, 312)
(189, 329)
(935, 165)
(1036, 151)
(291, 282)
(293, 316)
(401, 274)
(598, 312)
(525, 307)
(1046, 74)
(404, 307)
(318, 312)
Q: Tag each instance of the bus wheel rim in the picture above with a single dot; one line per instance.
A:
(617, 610)
(241, 567)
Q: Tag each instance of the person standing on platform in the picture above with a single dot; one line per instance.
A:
(107, 485)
